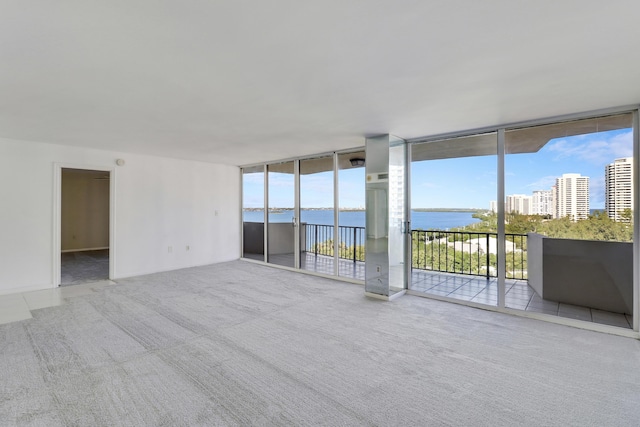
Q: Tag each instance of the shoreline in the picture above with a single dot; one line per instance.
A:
(461, 210)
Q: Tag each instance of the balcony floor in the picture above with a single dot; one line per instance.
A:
(317, 263)
(519, 295)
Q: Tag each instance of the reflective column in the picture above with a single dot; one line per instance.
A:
(386, 217)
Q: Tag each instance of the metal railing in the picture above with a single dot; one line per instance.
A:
(319, 241)
(470, 253)
(462, 252)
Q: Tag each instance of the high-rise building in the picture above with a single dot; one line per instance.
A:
(542, 202)
(618, 178)
(571, 196)
(518, 203)
(493, 206)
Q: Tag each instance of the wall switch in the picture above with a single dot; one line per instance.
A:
(215, 213)
(170, 249)
(188, 248)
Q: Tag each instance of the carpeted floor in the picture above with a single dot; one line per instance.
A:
(243, 344)
(84, 267)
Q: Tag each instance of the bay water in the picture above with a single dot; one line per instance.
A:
(441, 220)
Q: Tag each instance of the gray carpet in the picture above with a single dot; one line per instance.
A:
(244, 344)
(84, 267)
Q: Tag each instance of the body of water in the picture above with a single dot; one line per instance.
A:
(419, 220)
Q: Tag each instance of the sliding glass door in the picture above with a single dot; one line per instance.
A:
(253, 213)
(317, 224)
(282, 220)
(351, 227)
(454, 218)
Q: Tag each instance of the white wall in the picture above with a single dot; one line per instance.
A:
(84, 210)
(159, 203)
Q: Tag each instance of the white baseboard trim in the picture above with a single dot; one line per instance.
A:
(26, 289)
(165, 270)
(385, 297)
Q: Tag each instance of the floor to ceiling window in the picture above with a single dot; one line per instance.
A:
(351, 230)
(253, 213)
(282, 218)
(569, 219)
(454, 231)
(553, 235)
(322, 248)
(317, 215)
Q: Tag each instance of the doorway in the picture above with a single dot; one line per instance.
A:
(85, 199)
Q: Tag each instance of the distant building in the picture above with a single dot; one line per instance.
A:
(572, 196)
(493, 206)
(542, 202)
(518, 203)
(618, 178)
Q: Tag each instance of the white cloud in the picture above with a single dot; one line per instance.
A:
(593, 148)
(544, 183)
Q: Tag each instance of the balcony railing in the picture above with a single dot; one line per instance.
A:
(319, 241)
(469, 253)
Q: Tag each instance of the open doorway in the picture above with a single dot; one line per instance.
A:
(84, 226)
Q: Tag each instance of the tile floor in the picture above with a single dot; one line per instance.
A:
(519, 295)
(16, 307)
(87, 271)
(319, 264)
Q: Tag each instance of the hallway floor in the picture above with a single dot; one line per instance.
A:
(84, 267)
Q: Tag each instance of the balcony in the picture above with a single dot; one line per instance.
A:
(450, 264)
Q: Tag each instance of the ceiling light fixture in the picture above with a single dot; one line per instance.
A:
(357, 161)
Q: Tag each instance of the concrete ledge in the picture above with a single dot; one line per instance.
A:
(595, 274)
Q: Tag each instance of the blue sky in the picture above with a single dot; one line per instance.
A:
(472, 182)
(316, 190)
(465, 182)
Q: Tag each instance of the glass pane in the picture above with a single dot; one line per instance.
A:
(351, 235)
(281, 241)
(253, 213)
(454, 228)
(316, 215)
(569, 219)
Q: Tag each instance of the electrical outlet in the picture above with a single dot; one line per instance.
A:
(377, 269)
(188, 248)
(170, 249)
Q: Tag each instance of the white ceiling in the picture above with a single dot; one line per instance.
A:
(239, 82)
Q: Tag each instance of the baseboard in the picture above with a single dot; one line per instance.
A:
(165, 270)
(26, 289)
(385, 297)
